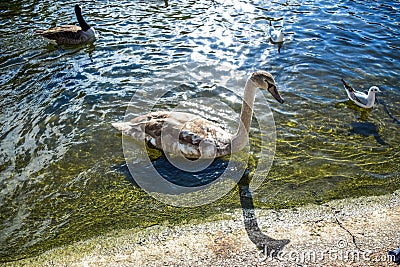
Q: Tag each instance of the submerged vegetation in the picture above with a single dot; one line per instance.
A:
(63, 175)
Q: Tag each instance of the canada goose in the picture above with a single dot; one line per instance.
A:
(71, 34)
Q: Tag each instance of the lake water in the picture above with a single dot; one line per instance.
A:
(63, 173)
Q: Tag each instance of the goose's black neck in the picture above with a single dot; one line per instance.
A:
(81, 21)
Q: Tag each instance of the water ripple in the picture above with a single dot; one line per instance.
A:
(58, 150)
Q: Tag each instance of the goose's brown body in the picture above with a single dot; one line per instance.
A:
(67, 34)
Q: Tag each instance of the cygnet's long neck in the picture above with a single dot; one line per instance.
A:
(240, 139)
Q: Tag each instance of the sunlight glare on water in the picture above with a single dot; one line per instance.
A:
(63, 174)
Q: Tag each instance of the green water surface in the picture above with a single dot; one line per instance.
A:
(63, 173)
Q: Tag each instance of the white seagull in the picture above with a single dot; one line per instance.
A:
(276, 36)
(362, 99)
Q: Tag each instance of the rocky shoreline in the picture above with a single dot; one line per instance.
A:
(348, 232)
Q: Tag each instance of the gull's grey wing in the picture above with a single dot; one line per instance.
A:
(353, 94)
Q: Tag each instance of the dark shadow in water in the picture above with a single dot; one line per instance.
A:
(268, 245)
(189, 179)
(366, 129)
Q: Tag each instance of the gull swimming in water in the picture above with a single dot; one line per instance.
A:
(197, 137)
(362, 99)
(276, 36)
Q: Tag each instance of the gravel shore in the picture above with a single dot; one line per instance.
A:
(349, 232)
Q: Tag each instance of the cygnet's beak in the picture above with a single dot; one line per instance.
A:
(274, 92)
